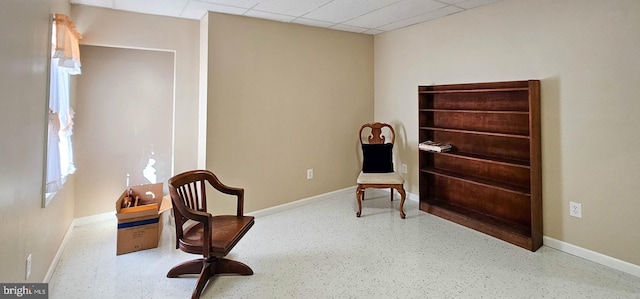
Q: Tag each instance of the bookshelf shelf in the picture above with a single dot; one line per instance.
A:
(474, 111)
(471, 90)
(479, 181)
(491, 179)
(517, 233)
(475, 132)
(495, 160)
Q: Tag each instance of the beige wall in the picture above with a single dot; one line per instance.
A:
(284, 98)
(26, 228)
(125, 97)
(113, 28)
(587, 55)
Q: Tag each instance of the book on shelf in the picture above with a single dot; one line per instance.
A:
(432, 146)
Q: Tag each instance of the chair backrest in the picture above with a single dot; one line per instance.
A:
(189, 197)
(376, 135)
(189, 189)
(377, 152)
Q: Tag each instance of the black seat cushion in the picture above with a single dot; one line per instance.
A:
(378, 158)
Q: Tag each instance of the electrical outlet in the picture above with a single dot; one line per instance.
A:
(28, 272)
(309, 173)
(575, 209)
(404, 168)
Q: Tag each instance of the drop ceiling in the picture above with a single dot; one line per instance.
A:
(361, 16)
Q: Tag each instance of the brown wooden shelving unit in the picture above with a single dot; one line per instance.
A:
(491, 180)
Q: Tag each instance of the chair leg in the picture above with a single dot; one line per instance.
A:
(225, 266)
(204, 277)
(208, 268)
(403, 195)
(188, 267)
(359, 196)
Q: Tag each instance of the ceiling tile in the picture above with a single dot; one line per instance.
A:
(197, 9)
(363, 16)
(452, 1)
(349, 28)
(474, 3)
(395, 12)
(288, 7)
(193, 13)
(269, 16)
(344, 10)
(100, 3)
(421, 18)
(236, 3)
(159, 7)
(310, 22)
(373, 31)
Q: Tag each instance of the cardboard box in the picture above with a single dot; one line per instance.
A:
(140, 227)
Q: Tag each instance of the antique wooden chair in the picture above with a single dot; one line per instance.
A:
(211, 236)
(377, 165)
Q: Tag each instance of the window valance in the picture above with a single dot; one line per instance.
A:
(66, 43)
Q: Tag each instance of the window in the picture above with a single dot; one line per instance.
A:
(65, 61)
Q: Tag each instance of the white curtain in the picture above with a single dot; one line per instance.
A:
(65, 62)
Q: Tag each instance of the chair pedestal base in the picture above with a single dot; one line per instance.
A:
(207, 268)
(360, 195)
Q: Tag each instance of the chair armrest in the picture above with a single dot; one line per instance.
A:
(238, 192)
(199, 217)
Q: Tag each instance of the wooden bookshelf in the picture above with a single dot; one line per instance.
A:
(491, 180)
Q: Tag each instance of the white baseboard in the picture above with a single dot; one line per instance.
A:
(547, 241)
(75, 222)
(410, 196)
(95, 218)
(302, 202)
(578, 251)
(56, 258)
(593, 256)
(321, 197)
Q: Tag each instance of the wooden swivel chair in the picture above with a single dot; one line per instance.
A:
(211, 236)
(377, 165)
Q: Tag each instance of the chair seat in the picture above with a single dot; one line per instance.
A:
(389, 178)
(226, 231)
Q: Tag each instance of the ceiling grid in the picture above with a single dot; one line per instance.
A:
(368, 17)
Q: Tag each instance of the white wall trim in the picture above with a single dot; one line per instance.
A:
(94, 218)
(592, 256)
(370, 193)
(56, 258)
(302, 202)
(410, 196)
(75, 222)
(578, 251)
(565, 247)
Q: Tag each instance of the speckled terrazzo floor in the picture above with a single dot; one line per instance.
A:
(322, 250)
